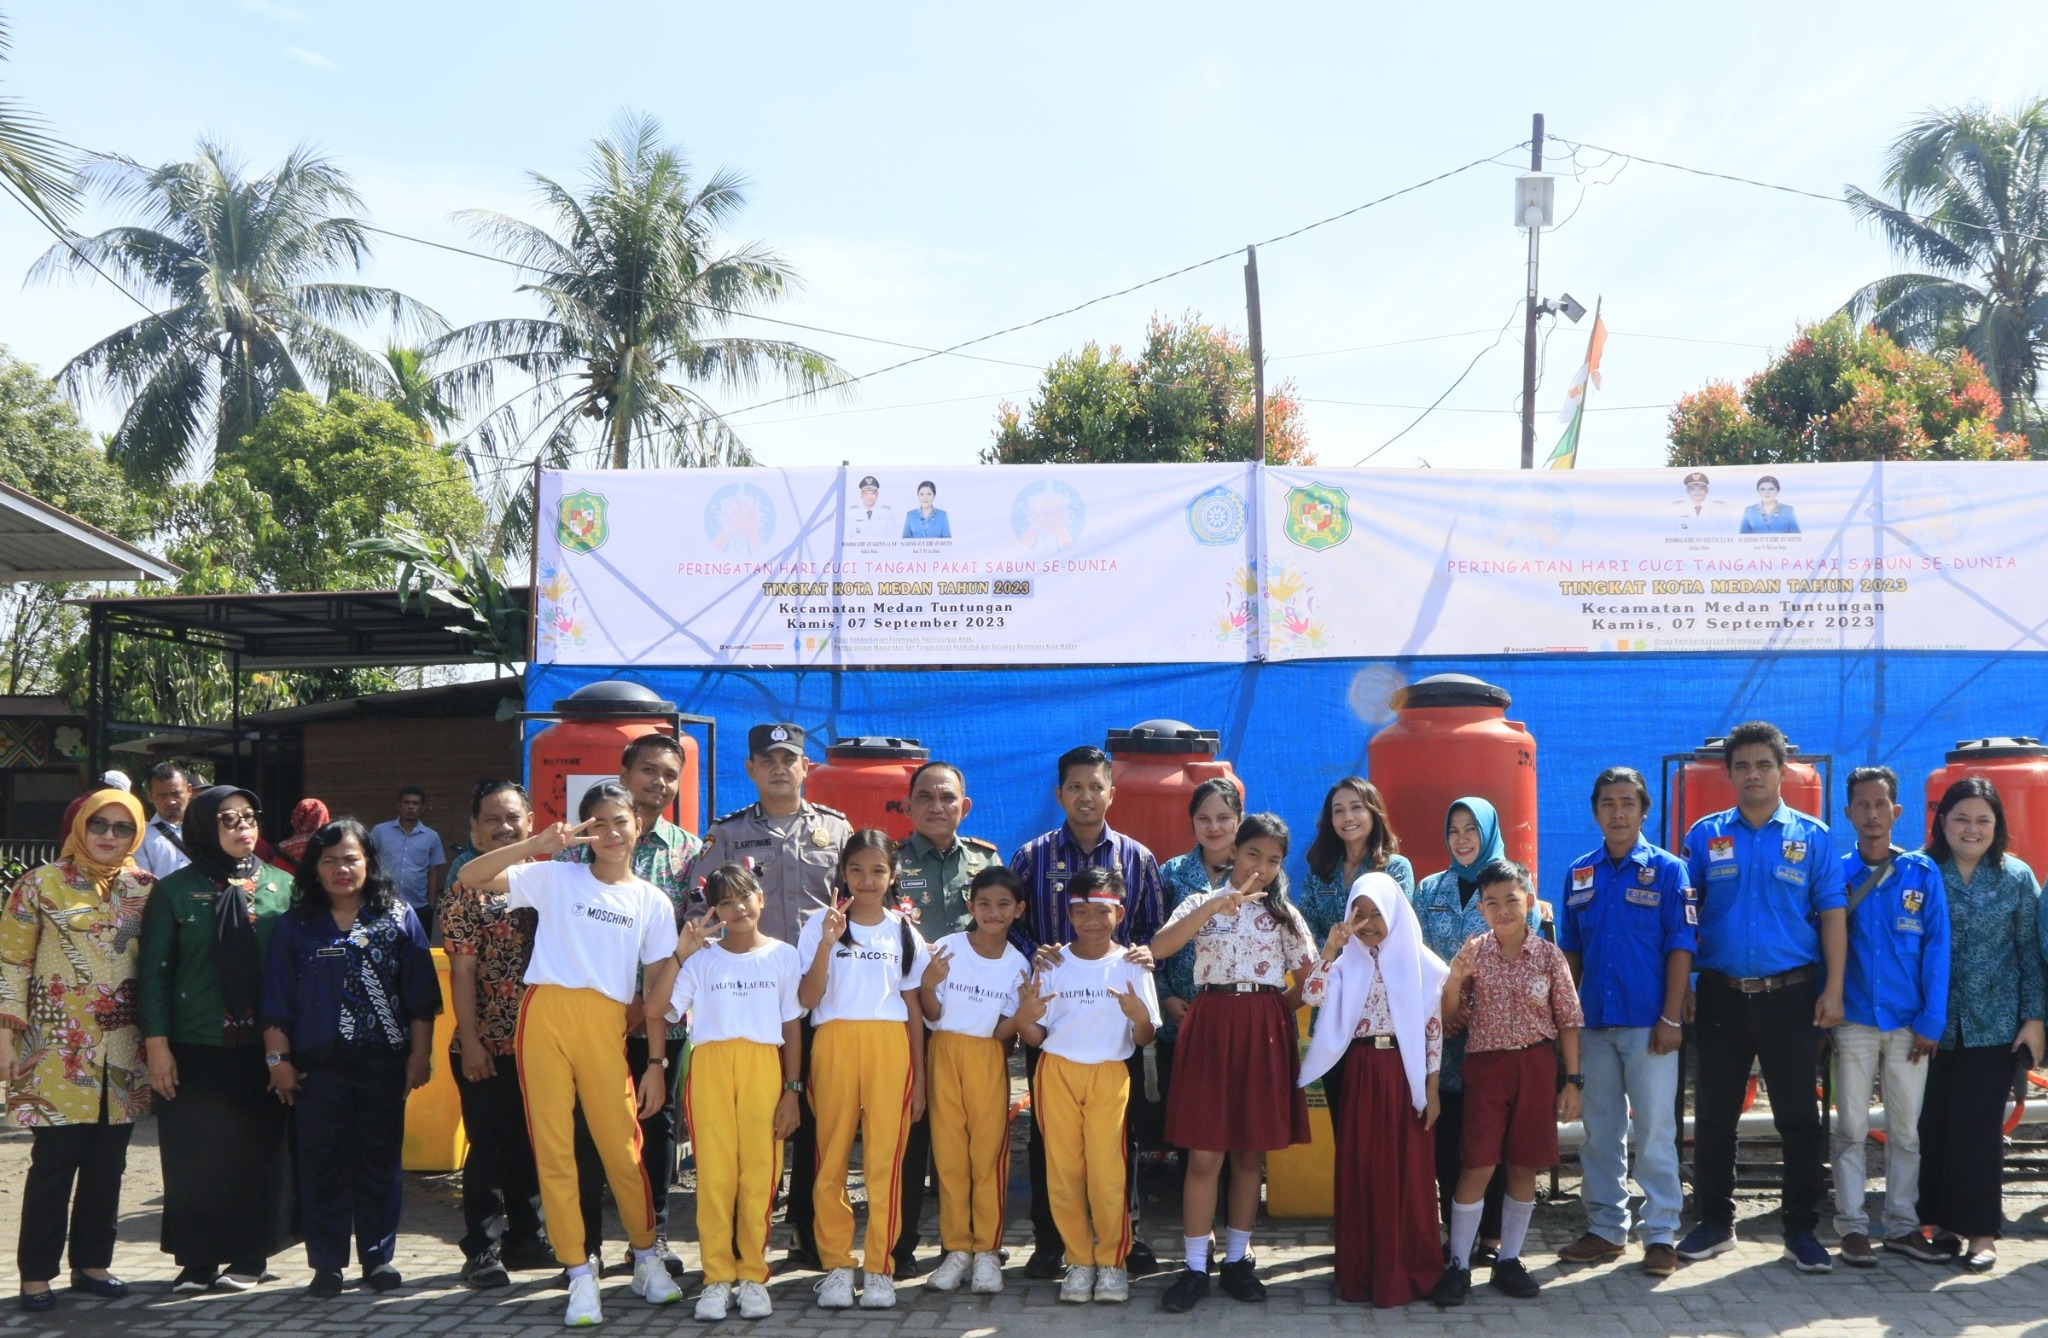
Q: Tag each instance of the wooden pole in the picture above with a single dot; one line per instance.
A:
(1258, 343)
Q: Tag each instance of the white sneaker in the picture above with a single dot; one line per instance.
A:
(835, 1290)
(651, 1281)
(877, 1291)
(951, 1272)
(1112, 1285)
(754, 1302)
(1079, 1284)
(988, 1274)
(584, 1309)
(713, 1301)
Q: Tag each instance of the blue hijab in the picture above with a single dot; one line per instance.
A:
(1490, 847)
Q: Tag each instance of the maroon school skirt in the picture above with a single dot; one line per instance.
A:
(1387, 1250)
(1234, 1066)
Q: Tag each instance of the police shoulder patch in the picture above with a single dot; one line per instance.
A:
(828, 812)
(733, 816)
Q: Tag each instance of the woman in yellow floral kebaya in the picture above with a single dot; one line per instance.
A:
(69, 1044)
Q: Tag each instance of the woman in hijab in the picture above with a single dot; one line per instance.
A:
(1380, 993)
(205, 937)
(69, 1047)
(309, 816)
(1446, 907)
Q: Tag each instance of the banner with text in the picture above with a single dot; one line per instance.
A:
(1921, 556)
(857, 566)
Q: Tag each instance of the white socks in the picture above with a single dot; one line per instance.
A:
(1197, 1252)
(579, 1271)
(1465, 1230)
(1514, 1225)
(1239, 1244)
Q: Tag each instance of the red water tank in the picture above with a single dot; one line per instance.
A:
(1155, 767)
(1703, 787)
(2019, 768)
(585, 746)
(1450, 738)
(868, 779)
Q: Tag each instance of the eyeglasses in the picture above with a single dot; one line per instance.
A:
(101, 827)
(240, 818)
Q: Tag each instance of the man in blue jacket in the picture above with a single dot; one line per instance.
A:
(1894, 1006)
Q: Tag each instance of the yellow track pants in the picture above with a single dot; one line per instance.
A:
(572, 1047)
(1080, 1110)
(967, 1095)
(729, 1099)
(860, 1084)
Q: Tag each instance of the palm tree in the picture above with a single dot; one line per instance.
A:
(635, 282)
(1969, 207)
(33, 164)
(237, 265)
(417, 393)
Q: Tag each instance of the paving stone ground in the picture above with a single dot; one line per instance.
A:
(1749, 1291)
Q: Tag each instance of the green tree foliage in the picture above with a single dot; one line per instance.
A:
(238, 271)
(46, 453)
(1966, 203)
(34, 164)
(1843, 392)
(635, 282)
(1187, 396)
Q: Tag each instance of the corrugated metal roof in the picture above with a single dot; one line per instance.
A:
(40, 543)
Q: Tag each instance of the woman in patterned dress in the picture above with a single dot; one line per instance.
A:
(69, 1046)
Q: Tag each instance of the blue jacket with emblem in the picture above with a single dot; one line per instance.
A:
(1897, 973)
(1761, 890)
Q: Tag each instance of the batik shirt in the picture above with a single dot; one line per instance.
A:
(1323, 901)
(363, 987)
(482, 925)
(1517, 1002)
(1995, 977)
(1378, 1018)
(1248, 946)
(1181, 877)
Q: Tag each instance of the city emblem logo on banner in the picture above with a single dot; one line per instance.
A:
(1217, 516)
(1318, 517)
(580, 525)
(739, 519)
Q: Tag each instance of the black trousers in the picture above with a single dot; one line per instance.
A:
(351, 1109)
(1962, 1139)
(803, 1161)
(658, 1131)
(1776, 1031)
(917, 1165)
(91, 1158)
(1450, 1162)
(227, 1171)
(500, 1188)
(1045, 1233)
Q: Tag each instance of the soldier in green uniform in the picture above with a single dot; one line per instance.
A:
(794, 845)
(933, 869)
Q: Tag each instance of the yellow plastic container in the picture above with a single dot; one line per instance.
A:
(1301, 1181)
(434, 1138)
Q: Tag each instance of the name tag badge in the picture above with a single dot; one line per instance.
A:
(1724, 871)
(1644, 896)
(332, 952)
(1720, 849)
(1440, 906)
(1908, 924)
(911, 884)
(1791, 874)
(1582, 879)
(1577, 899)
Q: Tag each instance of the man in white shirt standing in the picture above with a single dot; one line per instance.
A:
(163, 845)
(410, 853)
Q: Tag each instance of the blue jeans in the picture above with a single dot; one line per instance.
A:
(1623, 1077)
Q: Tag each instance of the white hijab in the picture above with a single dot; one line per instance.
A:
(1414, 978)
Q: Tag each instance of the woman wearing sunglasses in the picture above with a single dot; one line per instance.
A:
(69, 1048)
(205, 937)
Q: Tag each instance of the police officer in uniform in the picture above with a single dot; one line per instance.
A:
(933, 869)
(795, 846)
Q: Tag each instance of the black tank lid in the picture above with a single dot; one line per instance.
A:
(1164, 736)
(1451, 690)
(613, 697)
(1716, 747)
(879, 748)
(1985, 750)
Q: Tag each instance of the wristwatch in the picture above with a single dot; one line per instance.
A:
(657, 1061)
(276, 1057)
(1577, 1080)
(793, 1086)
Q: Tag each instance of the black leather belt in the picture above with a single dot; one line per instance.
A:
(1240, 987)
(1798, 975)
(1380, 1040)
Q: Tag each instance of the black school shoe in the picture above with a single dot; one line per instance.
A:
(1241, 1281)
(326, 1284)
(534, 1252)
(1187, 1292)
(384, 1277)
(486, 1268)
(1045, 1263)
(1139, 1261)
(1511, 1279)
(1452, 1288)
(109, 1288)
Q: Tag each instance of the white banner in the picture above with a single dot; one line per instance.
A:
(1923, 556)
(896, 565)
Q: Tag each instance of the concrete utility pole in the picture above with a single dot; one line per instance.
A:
(1258, 342)
(1533, 219)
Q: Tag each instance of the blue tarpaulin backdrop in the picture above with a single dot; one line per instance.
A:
(1292, 728)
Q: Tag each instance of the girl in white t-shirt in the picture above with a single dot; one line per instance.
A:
(739, 988)
(599, 924)
(970, 1001)
(862, 964)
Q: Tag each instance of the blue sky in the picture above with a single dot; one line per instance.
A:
(940, 171)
